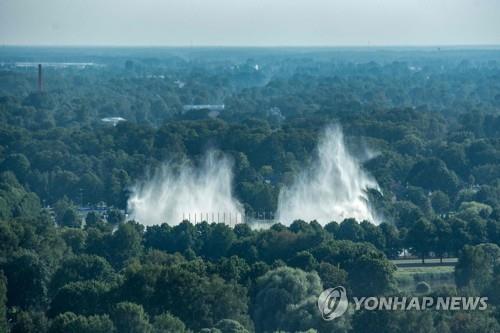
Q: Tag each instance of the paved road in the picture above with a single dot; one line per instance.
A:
(427, 262)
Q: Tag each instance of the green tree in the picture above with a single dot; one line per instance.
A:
(242, 230)
(233, 268)
(75, 239)
(81, 297)
(9, 240)
(407, 214)
(392, 240)
(286, 300)
(61, 207)
(28, 321)
(82, 268)
(18, 164)
(493, 228)
(393, 321)
(443, 240)
(131, 318)
(167, 323)
(479, 321)
(440, 202)
(475, 266)
(3, 303)
(432, 174)
(218, 241)
(92, 219)
(71, 219)
(493, 290)
(125, 243)
(182, 238)
(115, 217)
(91, 188)
(71, 323)
(350, 229)
(380, 271)
(303, 260)
(27, 277)
(15, 200)
(332, 228)
(379, 321)
(332, 276)
(459, 234)
(230, 326)
(198, 300)
(421, 237)
(373, 235)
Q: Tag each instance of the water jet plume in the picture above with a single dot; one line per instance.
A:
(334, 186)
(174, 194)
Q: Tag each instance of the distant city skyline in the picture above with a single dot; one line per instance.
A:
(250, 22)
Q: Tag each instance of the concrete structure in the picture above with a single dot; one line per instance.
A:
(211, 107)
(113, 120)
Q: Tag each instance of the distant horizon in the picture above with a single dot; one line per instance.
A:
(304, 46)
(244, 23)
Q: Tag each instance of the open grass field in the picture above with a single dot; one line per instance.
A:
(436, 276)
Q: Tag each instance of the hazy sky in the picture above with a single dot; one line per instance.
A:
(249, 22)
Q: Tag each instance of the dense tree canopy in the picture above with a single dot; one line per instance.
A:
(424, 123)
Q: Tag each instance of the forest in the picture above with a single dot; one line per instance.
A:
(425, 124)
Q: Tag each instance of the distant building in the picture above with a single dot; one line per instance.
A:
(275, 112)
(180, 84)
(101, 209)
(113, 120)
(211, 107)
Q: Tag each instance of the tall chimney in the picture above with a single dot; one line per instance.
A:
(40, 78)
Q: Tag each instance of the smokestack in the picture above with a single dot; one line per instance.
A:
(40, 78)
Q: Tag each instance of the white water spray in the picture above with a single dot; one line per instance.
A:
(333, 188)
(171, 196)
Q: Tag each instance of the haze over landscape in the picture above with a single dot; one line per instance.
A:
(249, 22)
